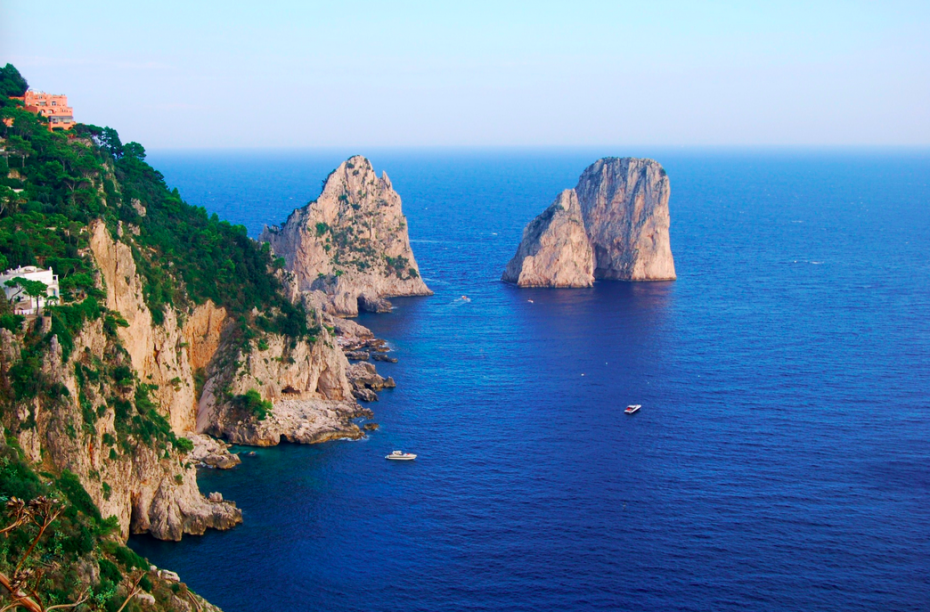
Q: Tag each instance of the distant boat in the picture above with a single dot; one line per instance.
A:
(632, 408)
(400, 456)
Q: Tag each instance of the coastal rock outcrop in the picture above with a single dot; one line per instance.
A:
(555, 250)
(210, 452)
(351, 243)
(623, 205)
(147, 488)
(185, 373)
(303, 421)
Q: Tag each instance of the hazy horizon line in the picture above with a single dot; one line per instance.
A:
(619, 150)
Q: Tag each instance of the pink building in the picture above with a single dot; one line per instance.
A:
(52, 106)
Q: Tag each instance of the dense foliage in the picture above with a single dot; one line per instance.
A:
(12, 82)
(52, 534)
(53, 185)
(251, 403)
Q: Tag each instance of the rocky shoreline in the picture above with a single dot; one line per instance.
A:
(306, 420)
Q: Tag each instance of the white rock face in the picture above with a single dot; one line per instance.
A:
(623, 206)
(168, 354)
(146, 491)
(351, 244)
(555, 250)
(624, 202)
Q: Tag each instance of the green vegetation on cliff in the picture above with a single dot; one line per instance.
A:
(54, 186)
(57, 550)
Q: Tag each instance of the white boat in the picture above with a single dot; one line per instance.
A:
(400, 456)
(632, 408)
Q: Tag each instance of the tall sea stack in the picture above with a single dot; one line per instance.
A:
(623, 206)
(350, 246)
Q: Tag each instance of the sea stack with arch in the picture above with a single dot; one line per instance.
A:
(613, 225)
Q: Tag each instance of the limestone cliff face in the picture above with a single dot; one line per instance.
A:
(168, 354)
(555, 250)
(351, 244)
(147, 487)
(623, 205)
(624, 202)
(283, 372)
(192, 364)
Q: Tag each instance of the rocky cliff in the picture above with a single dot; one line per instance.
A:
(305, 380)
(623, 206)
(555, 250)
(170, 324)
(127, 390)
(351, 243)
(131, 469)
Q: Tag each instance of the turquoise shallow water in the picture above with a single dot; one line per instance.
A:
(781, 457)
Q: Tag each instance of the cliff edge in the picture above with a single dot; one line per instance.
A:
(623, 206)
(351, 243)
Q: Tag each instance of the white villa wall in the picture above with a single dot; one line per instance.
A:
(16, 294)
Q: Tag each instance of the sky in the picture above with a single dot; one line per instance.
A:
(275, 74)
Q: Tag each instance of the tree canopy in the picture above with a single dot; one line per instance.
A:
(12, 82)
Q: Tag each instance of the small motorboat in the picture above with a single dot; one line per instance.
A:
(400, 456)
(632, 408)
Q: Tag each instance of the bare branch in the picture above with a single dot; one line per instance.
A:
(18, 597)
(193, 599)
(40, 508)
(132, 591)
(70, 605)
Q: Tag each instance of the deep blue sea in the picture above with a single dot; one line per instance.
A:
(781, 460)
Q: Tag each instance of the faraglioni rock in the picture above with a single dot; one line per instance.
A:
(351, 243)
(623, 206)
(555, 250)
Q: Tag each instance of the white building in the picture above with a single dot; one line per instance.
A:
(22, 303)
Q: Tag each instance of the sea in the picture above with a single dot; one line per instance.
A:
(781, 458)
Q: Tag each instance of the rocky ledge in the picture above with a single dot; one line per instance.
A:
(302, 421)
(210, 452)
(359, 344)
(613, 225)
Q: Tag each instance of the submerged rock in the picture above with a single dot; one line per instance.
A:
(613, 225)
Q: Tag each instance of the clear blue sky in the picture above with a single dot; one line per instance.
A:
(203, 74)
